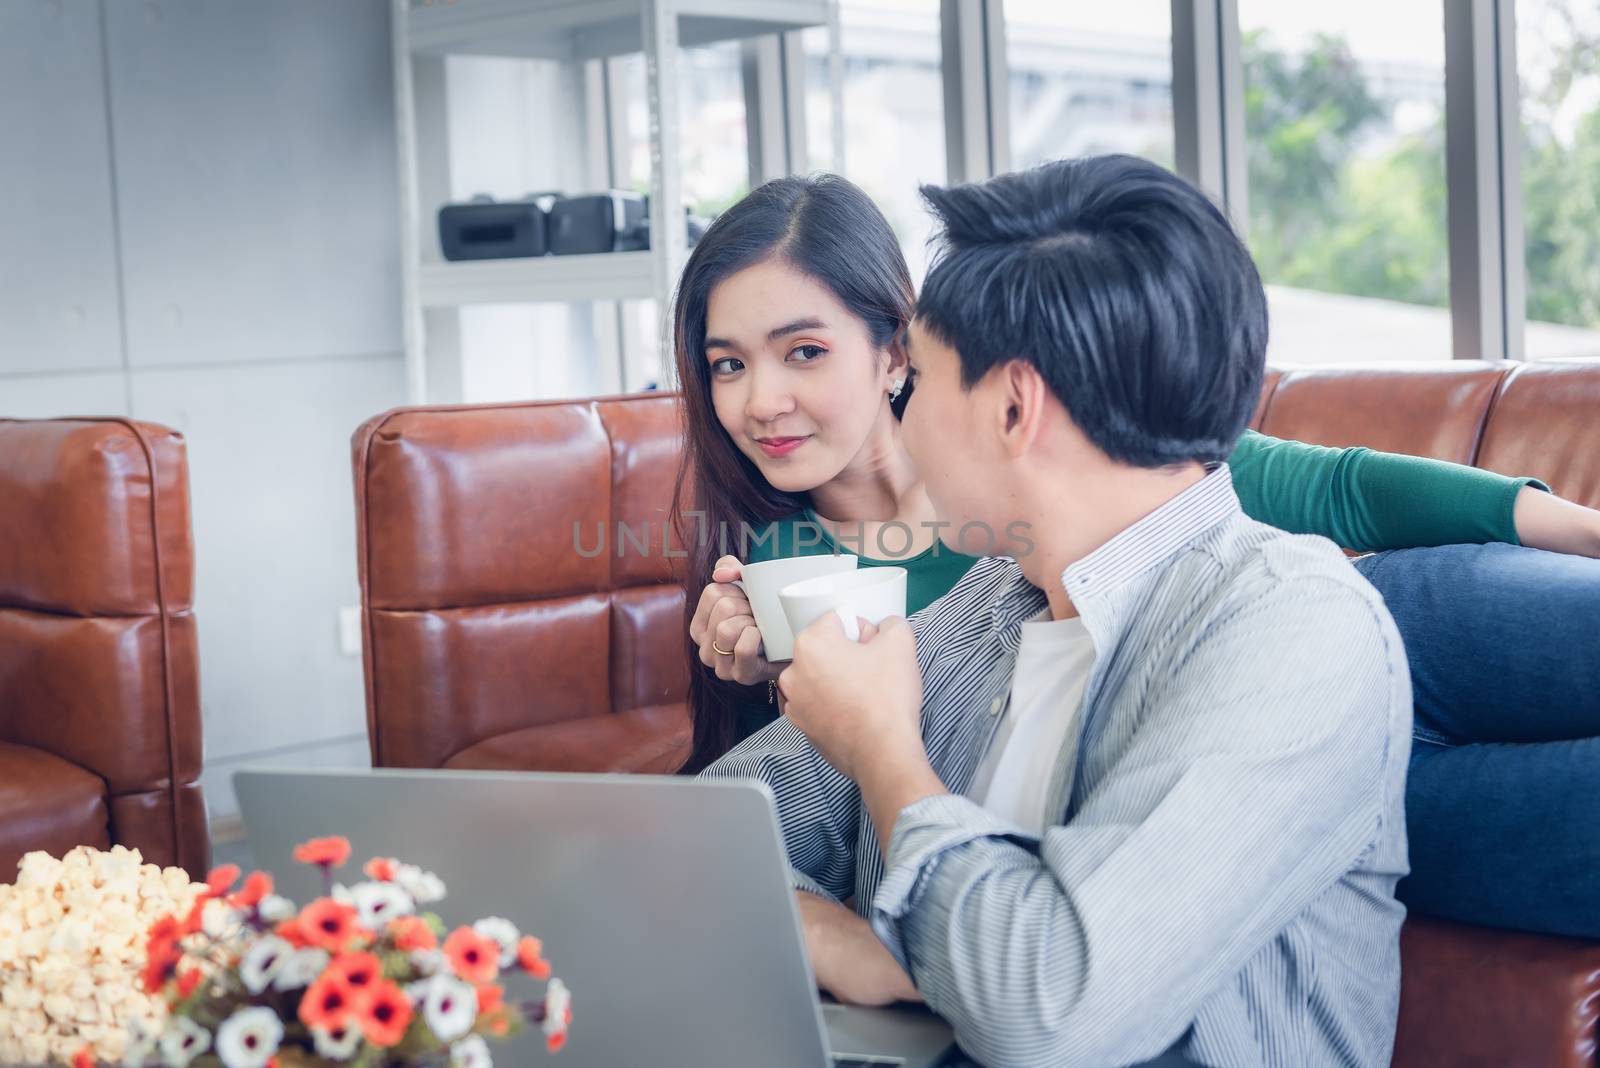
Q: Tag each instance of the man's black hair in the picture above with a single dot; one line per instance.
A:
(1122, 284)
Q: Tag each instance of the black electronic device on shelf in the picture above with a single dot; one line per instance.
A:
(615, 221)
(550, 224)
(487, 229)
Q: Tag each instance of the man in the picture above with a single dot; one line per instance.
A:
(1139, 785)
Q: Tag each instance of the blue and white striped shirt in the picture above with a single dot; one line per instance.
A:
(1221, 879)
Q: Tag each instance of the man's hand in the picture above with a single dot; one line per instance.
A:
(850, 962)
(858, 702)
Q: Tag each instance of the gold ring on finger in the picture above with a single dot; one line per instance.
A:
(719, 649)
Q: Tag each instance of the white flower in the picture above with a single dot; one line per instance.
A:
(276, 909)
(471, 1052)
(138, 1052)
(337, 1045)
(183, 1041)
(301, 968)
(218, 919)
(378, 903)
(423, 886)
(449, 1007)
(557, 1002)
(427, 961)
(505, 933)
(262, 961)
(249, 1038)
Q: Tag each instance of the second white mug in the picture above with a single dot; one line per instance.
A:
(870, 593)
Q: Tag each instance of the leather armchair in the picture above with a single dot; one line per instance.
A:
(100, 737)
(509, 622)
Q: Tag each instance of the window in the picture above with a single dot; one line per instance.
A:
(713, 139)
(893, 110)
(1558, 54)
(1088, 79)
(1344, 116)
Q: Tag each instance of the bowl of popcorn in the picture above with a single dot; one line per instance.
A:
(72, 948)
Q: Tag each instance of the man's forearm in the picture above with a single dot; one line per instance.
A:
(893, 783)
(849, 961)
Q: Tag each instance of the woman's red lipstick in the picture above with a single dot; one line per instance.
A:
(781, 446)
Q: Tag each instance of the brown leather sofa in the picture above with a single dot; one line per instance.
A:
(100, 737)
(491, 643)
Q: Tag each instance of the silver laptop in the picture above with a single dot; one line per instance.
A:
(663, 903)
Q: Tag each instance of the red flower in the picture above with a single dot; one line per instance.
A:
(188, 981)
(328, 924)
(156, 971)
(490, 998)
(411, 932)
(472, 956)
(329, 1004)
(221, 880)
(384, 1014)
(256, 887)
(331, 852)
(163, 935)
(84, 1058)
(291, 932)
(556, 1041)
(359, 971)
(161, 953)
(194, 921)
(381, 869)
(529, 951)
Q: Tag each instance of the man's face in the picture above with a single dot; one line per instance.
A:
(950, 433)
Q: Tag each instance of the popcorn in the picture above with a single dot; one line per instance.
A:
(72, 936)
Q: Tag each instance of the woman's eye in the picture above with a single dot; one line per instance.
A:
(808, 352)
(726, 366)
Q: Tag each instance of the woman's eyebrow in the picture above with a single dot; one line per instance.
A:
(808, 323)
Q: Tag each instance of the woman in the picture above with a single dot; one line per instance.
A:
(787, 321)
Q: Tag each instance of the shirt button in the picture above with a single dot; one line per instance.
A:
(996, 705)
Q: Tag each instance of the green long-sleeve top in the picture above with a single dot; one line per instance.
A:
(1360, 499)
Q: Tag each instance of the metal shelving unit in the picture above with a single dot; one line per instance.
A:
(587, 33)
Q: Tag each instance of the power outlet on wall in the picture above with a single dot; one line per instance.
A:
(350, 631)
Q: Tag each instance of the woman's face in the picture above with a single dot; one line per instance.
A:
(795, 379)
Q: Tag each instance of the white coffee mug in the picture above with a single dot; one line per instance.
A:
(871, 593)
(761, 583)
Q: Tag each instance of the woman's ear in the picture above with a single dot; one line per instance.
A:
(899, 365)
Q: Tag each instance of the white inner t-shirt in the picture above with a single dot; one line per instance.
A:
(1043, 716)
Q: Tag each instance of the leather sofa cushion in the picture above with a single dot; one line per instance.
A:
(1470, 997)
(49, 804)
(650, 740)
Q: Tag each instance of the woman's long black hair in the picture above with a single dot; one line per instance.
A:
(829, 230)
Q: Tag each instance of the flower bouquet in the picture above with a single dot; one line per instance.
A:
(361, 976)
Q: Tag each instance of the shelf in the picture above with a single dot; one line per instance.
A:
(537, 279)
(590, 29)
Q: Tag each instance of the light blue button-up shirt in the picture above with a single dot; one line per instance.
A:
(1221, 879)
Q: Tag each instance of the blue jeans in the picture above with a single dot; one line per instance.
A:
(1503, 802)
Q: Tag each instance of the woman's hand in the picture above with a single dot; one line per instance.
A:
(725, 630)
(1545, 521)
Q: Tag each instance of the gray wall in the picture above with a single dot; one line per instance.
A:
(199, 227)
